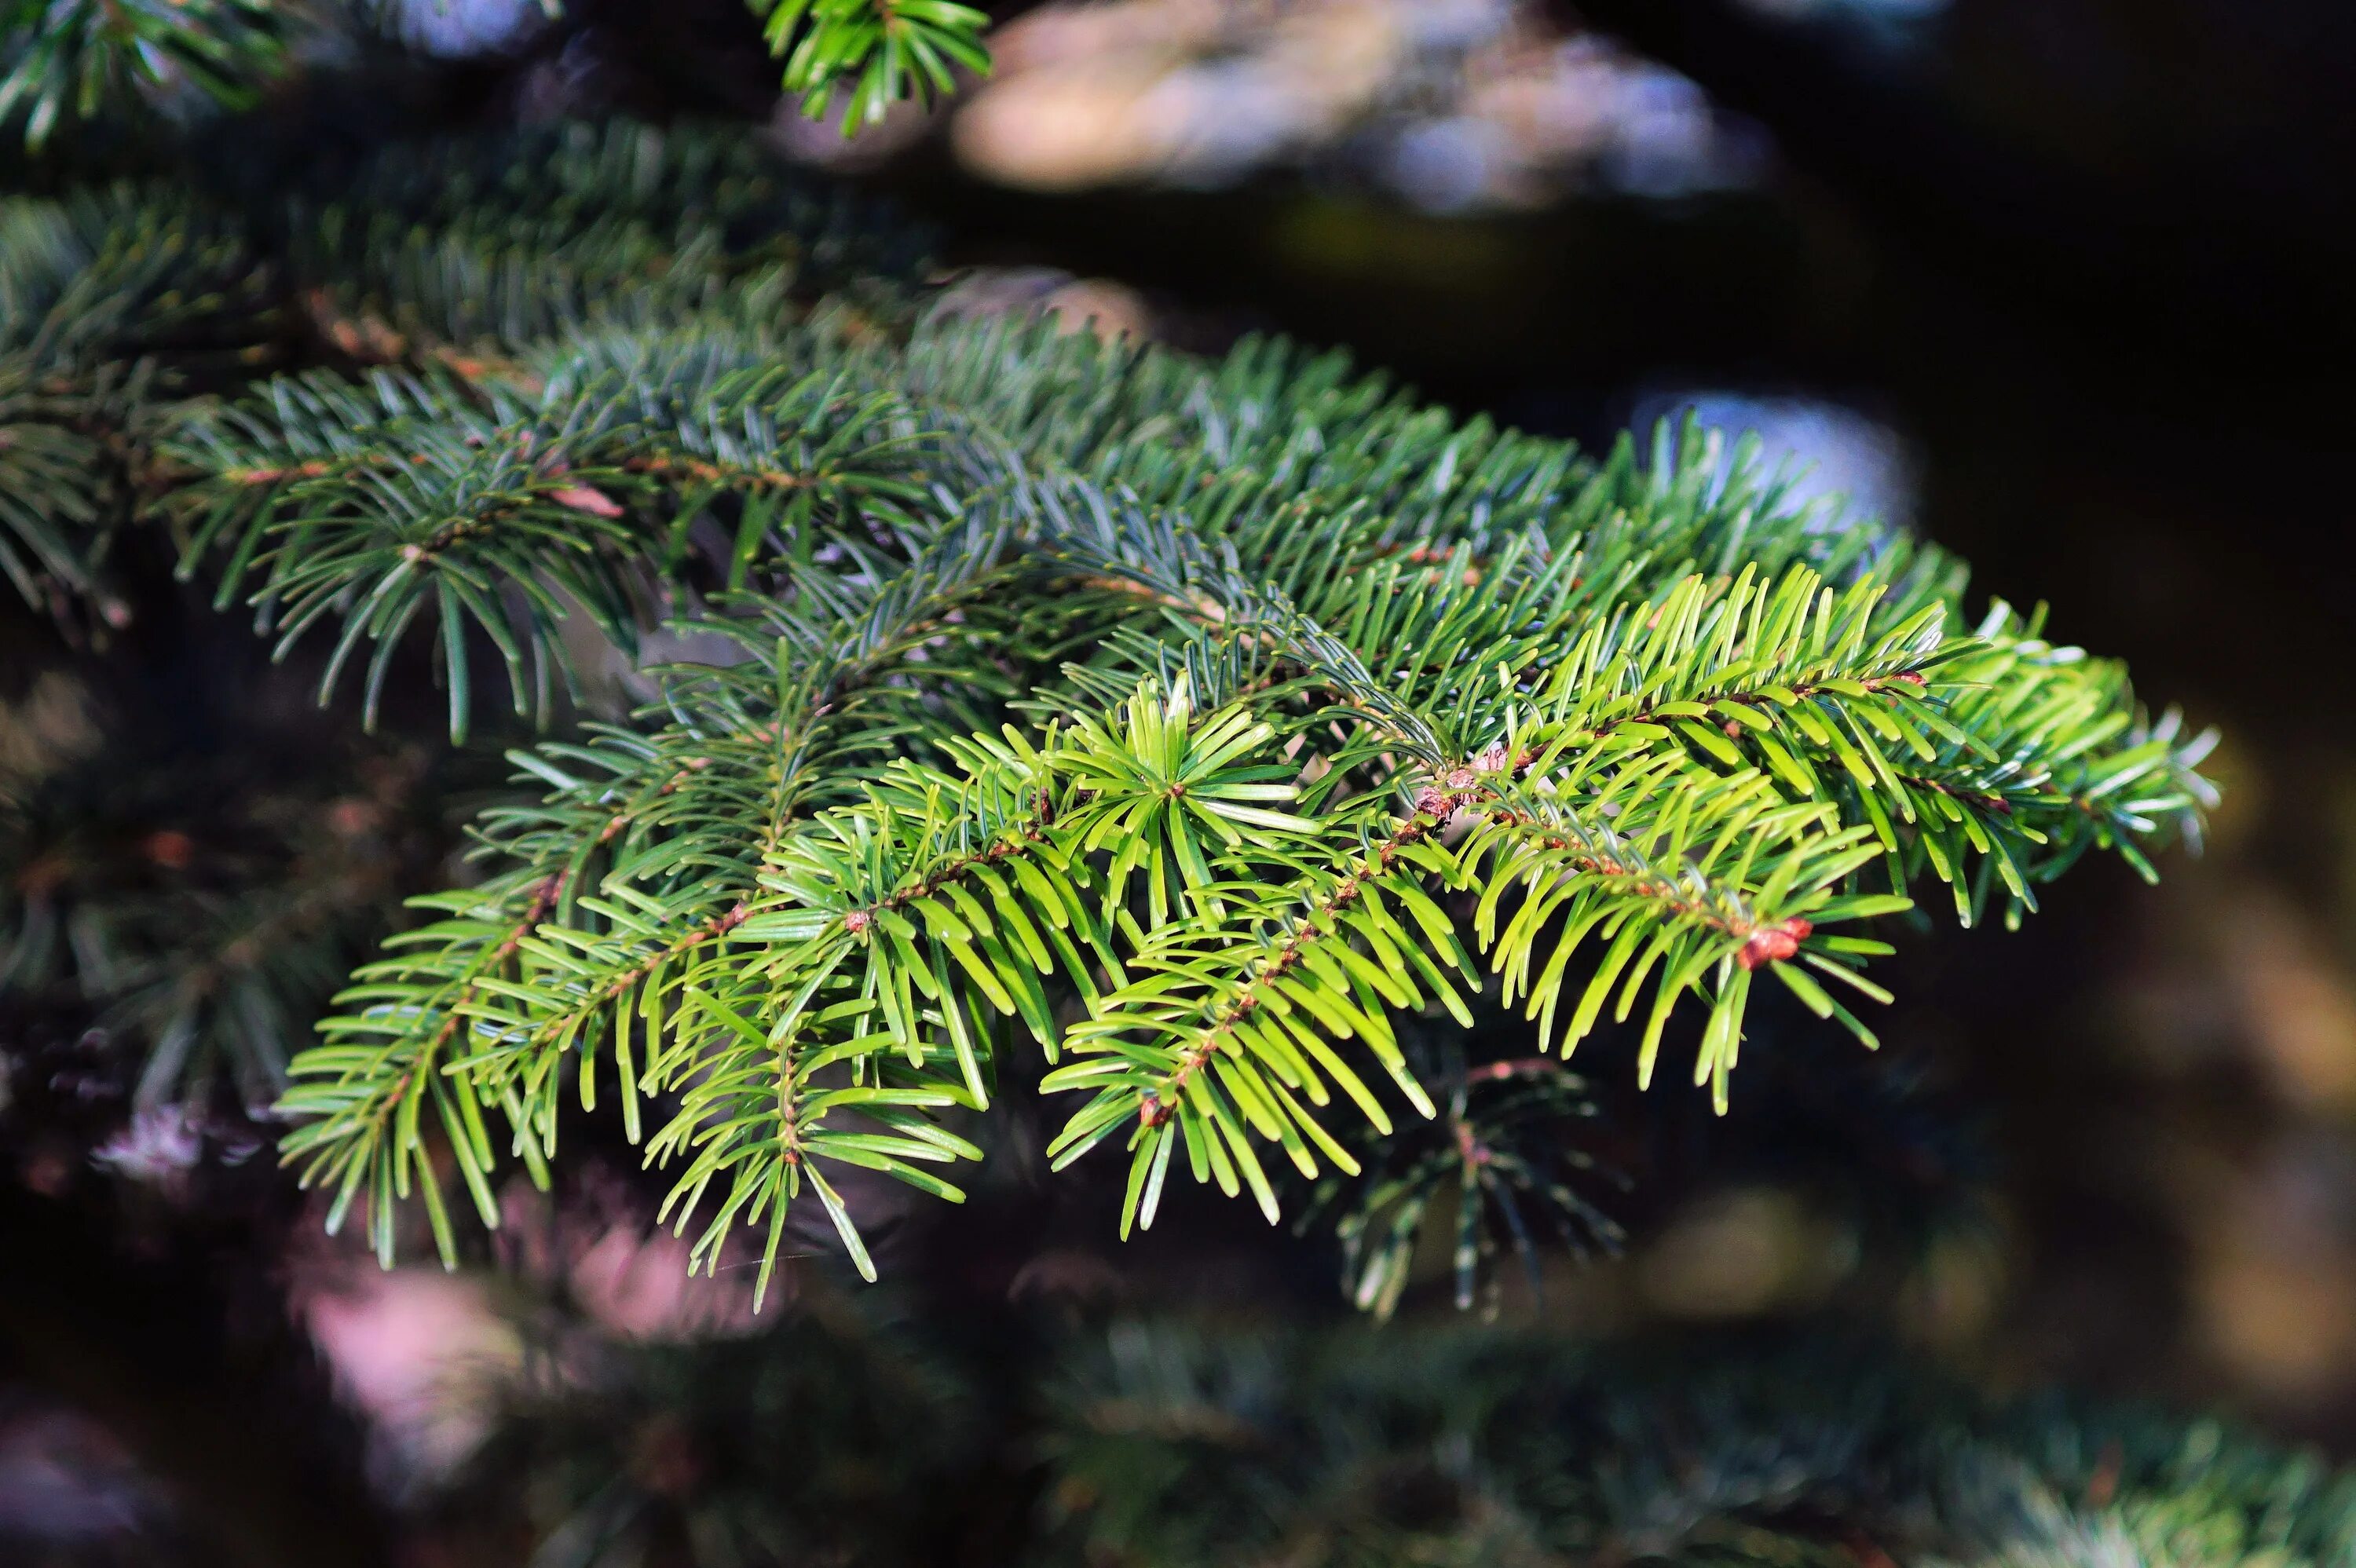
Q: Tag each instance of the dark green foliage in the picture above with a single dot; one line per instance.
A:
(1498, 1150)
(469, 244)
(194, 882)
(1480, 1450)
(118, 304)
(838, 1443)
(111, 301)
(1168, 1444)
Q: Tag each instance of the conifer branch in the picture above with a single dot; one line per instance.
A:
(1220, 726)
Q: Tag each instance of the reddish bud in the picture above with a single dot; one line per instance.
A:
(586, 498)
(1773, 943)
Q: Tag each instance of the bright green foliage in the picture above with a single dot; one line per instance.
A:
(71, 58)
(1306, 663)
(65, 61)
(876, 51)
(1212, 728)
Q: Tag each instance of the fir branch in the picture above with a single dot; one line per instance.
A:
(1160, 705)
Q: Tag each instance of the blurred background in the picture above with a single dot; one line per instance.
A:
(2063, 284)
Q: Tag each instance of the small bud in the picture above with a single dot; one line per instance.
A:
(586, 498)
(1773, 943)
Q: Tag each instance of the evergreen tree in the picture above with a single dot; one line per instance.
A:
(1272, 776)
